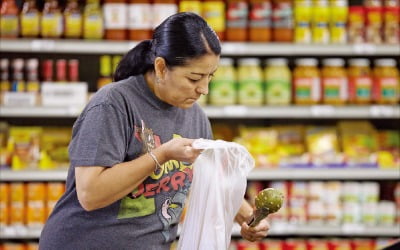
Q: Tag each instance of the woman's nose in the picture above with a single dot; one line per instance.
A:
(203, 87)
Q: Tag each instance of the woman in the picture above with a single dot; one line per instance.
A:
(130, 150)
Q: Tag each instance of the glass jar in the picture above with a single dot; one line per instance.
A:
(306, 81)
(223, 84)
(250, 82)
(334, 81)
(360, 81)
(386, 81)
(277, 82)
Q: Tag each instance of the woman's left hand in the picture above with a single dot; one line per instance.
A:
(256, 233)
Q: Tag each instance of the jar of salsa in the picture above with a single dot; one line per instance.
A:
(386, 81)
(30, 19)
(115, 19)
(278, 80)
(236, 20)
(282, 17)
(360, 81)
(223, 84)
(250, 82)
(260, 20)
(334, 81)
(9, 26)
(306, 81)
(139, 21)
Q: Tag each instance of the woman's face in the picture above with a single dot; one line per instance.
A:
(182, 86)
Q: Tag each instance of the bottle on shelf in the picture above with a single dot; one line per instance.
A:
(4, 75)
(302, 21)
(356, 24)
(105, 71)
(61, 70)
(73, 70)
(334, 82)
(115, 19)
(93, 27)
(47, 70)
(139, 21)
(30, 19)
(236, 20)
(190, 6)
(223, 84)
(18, 83)
(214, 14)
(306, 82)
(374, 21)
(338, 21)
(386, 81)
(250, 82)
(320, 22)
(260, 20)
(52, 20)
(391, 16)
(72, 20)
(163, 9)
(278, 89)
(9, 22)
(282, 20)
(32, 75)
(360, 81)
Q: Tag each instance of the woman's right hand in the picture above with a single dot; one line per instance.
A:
(180, 149)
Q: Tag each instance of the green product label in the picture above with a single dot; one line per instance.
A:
(277, 91)
(363, 93)
(303, 93)
(331, 93)
(251, 92)
(222, 92)
(388, 93)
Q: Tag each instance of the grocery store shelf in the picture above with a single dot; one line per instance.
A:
(33, 175)
(324, 174)
(256, 174)
(228, 48)
(11, 233)
(238, 111)
(323, 230)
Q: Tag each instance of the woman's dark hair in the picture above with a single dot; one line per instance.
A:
(181, 37)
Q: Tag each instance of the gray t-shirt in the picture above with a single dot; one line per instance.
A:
(108, 132)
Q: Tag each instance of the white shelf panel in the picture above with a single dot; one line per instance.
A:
(324, 174)
(11, 233)
(237, 111)
(33, 175)
(228, 48)
(309, 112)
(345, 230)
(256, 174)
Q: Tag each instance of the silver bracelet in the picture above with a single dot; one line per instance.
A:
(158, 165)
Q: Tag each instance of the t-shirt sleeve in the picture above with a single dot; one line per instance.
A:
(100, 137)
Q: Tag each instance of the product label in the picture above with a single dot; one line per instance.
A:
(282, 15)
(237, 15)
(302, 13)
(73, 25)
(162, 11)
(307, 89)
(30, 24)
(388, 88)
(115, 15)
(278, 91)
(335, 88)
(360, 88)
(214, 14)
(139, 17)
(320, 33)
(260, 15)
(338, 32)
(250, 92)
(9, 25)
(190, 6)
(222, 92)
(52, 25)
(302, 33)
(93, 27)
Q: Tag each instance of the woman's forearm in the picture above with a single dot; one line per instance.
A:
(244, 214)
(98, 187)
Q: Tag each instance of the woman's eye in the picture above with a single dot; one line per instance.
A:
(194, 80)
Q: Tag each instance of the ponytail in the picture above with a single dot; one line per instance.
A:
(136, 62)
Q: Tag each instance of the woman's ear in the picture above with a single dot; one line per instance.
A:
(160, 67)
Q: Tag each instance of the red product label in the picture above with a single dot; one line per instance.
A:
(360, 88)
(260, 15)
(237, 13)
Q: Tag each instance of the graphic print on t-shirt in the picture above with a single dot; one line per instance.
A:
(166, 186)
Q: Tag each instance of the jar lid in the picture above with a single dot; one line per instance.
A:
(307, 61)
(249, 61)
(226, 61)
(362, 62)
(32, 63)
(4, 62)
(277, 61)
(18, 63)
(338, 62)
(387, 62)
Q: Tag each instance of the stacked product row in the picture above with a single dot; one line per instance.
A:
(328, 81)
(28, 204)
(349, 144)
(300, 21)
(334, 203)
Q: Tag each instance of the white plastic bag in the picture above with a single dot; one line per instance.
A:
(217, 192)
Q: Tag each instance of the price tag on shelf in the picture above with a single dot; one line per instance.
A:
(19, 99)
(64, 94)
(42, 45)
(235, 110)
(382, 111)
(322, 110)
(353, 228)
(364, 48)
